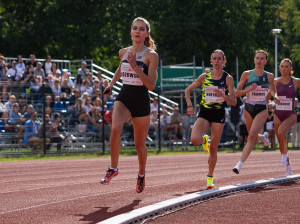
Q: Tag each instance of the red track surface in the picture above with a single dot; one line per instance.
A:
(68, 191)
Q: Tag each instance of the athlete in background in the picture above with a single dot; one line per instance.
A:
(138, 69)
(215, 87)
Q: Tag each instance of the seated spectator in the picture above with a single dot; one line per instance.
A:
(65, 88)
(53, 133)
(53, 69)
(128, 126)
(153, 123)
(96, 94)
(16, 120)
(49, 101)
(32, 62)
(50, 80)
(78, 82)
(22, 104)
(8, 107)
(108, 117)
(105, 84)
(186, 126)
(57, 75)
(100, 78)
(73, 98)
(13, 77)
(164, 122)
(86, 88)
(84, 97)
(27, 78)
(56, 87)
(46, 88)
(20, 65)
(96, 84)
(98, 103)
(89, 78)
(32, 133)
(48, 110)
(47, 66)
(154, 104)
(39, 71)
(28, 112)
(88, 106)
(83, 70)
(97, 124)
(176, 124)
(2, 69)
(35, 86)
(80, 114)
(1, 106)
(66, 76)
(58, 104)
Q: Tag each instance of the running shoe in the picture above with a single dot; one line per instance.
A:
(210, 183)
(266, 139)
(206, 145)
(288, 171)
(110, 173)
(236, 170)
(140, 184)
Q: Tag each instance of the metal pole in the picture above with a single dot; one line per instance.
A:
(159, 135)
(103, 126)
(194, 79)
(161, 77)
(44, 112)
(276, 72)
(237, 69)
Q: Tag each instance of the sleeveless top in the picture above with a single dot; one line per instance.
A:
(258, 95)
(286, 93)
(133, 89)
(209, 99)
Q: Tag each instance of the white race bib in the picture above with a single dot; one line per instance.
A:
(210, 95)
(258, 94)
(129, 77)
(285, 104)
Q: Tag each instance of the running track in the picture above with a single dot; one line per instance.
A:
(68, 191)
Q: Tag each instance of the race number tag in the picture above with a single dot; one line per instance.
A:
(129, 77)
(285, 103)
(259, 94)
(210, 95)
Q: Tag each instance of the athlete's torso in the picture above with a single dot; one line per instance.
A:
(286, 93)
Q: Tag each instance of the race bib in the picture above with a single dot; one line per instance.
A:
(210, 95)
(285, 103)
(259, 94)
(129, 77)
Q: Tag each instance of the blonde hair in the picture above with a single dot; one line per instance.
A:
(149, 42)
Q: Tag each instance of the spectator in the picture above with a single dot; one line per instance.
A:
(153, 124)
(176, 123)
(22, 104)
(80, 114)
(98, 103)
(129, 127)
(1, 106)
(84, 97)
(57, 75)
(154, 104)
(78, 82)
(96, 84)
(96, 121)
(46, 88)
(66, 76)
(100, 78)
(28, 76)
(53, 69)
(28, 112)
(49, 101)
(53, 133)
(50, 79)
(88, 107)
(73, 98)
(105, 84)
(164, 122)
(65, 88)
(86, 88)
(186, 127)
(13, 77)
(56, 89)
(2, 69)
(8, 107)
(39, 71)
(16, 121)
(108, 117)
(31, 136)
(96, 94)
(20, 65)
(82, 70)
(36, 84)
(47, 66)
(31, 61)
(89, 78)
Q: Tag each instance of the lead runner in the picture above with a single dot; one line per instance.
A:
(216, 85)
(138, 69)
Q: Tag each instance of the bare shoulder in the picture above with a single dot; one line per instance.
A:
(151, 54)
(296, 81)
(122, 52)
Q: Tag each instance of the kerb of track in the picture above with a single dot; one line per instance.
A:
(153, 210)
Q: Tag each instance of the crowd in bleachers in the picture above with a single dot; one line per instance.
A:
(76, 98)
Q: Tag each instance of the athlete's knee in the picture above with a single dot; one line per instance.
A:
(196, 141)
(252, 137)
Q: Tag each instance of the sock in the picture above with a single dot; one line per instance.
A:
(239, 165)
(115, 169)
(210, 176)
(284, 157)
(141, 175)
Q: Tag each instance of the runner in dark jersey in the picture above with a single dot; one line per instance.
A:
(285, 115)
(138, 69)
(216, 85)
(258, 83)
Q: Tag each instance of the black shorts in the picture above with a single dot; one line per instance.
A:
(137, 102)
(212, 115)
(255, 109)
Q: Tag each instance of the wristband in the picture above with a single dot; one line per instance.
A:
(189, 106)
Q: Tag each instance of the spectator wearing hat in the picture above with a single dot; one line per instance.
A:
(31, 61)
(83, 70)
(57, 74)
(38, 70)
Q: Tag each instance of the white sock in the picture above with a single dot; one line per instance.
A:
(239, 165)
(115, 169)
(141, 175)
(284, 157)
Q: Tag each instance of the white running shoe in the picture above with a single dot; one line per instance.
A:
(288, 171)
(284, 160)
(266, 139)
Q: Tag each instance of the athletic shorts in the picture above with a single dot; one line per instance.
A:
(212, 115)
(284, 114)
(255, 109)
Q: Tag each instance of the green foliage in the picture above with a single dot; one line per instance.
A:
(181, 29)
